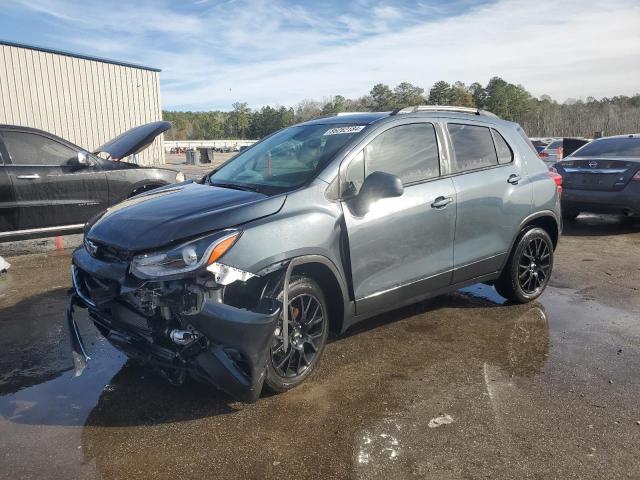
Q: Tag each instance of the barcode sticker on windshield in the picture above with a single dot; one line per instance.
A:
(340, 130)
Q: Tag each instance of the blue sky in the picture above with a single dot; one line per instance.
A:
(213, 53)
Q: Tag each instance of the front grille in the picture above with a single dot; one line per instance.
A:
(94, 290)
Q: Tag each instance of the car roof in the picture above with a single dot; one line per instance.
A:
(627, 135)
(368, 118)
(5, 126)
(355, 118)
(23, 128)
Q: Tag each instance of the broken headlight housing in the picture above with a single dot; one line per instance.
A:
(185, 258)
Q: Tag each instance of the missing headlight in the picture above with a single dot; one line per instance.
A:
(224, 274)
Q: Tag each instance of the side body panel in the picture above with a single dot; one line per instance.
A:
(401, 242)
(123, 180)
(489, 212)
(60, 196)
(57, 193)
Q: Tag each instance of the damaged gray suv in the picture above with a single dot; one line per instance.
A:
(238, 279)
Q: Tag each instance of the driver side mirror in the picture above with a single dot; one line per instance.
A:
(83, 158)
(376, 186)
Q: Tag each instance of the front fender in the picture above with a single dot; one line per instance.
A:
(124, 182)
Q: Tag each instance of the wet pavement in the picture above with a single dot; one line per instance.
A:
(463, 386)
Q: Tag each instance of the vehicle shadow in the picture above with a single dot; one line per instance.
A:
(475, 296)
(592, 225)
(138, 396)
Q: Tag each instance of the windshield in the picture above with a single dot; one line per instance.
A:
(610, 147)
(285, 160)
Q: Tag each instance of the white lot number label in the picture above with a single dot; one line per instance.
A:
(340, 130)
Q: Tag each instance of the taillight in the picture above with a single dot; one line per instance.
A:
(543, 154)
(636, 177)
(556, 177)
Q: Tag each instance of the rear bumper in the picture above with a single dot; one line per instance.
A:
(231, 351)
(626, 201)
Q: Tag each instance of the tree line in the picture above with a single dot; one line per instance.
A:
(540, 117)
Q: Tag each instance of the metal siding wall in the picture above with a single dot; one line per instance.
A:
(84, 101)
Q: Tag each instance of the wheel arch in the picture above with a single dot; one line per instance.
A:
(323, 271)
(546, 219)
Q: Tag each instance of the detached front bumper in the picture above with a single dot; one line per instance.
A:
(230, 350)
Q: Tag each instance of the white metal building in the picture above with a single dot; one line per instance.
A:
(86, 100)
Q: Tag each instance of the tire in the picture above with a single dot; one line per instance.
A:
(307, 331)
(570, 214)
(529, 267)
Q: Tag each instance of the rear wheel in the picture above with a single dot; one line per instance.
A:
(307, 334)
(529, 267)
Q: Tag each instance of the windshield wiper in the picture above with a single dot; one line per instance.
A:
(235, 186)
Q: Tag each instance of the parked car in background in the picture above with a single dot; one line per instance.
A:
(50, 186)
(602, 177)
(539, 145)
(338, 219)
(571, 144)
(552, 152)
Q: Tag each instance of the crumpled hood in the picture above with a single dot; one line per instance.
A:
(172, 213)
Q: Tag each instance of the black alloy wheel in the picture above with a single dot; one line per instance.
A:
(534, 266)
(307, 334)
(529, 267)
(306, 322)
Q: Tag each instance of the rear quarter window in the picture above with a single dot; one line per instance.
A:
(473, 147)
(504, 151)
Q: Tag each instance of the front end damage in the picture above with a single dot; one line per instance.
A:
(196, 326)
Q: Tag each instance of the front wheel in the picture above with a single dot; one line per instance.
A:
(529, 267)
(307, 333)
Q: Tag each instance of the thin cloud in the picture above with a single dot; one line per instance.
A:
(276, 52)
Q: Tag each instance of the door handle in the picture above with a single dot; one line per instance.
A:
(441, 202)
(514, 178)
(32, 176)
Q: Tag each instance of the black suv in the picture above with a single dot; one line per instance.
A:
(338, 219)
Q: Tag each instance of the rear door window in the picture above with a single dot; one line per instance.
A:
(33, 149)
(473, 147)
(408, 151)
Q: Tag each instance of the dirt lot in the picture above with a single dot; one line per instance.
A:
(463, 386)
